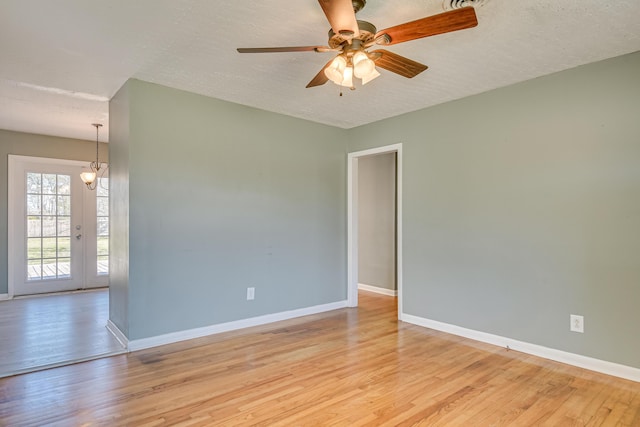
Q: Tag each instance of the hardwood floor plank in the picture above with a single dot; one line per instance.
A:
(349, 367)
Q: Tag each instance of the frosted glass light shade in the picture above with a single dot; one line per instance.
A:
(335, 71)
(362, 65)
(88, 177)
(347, 77)
(372, 75)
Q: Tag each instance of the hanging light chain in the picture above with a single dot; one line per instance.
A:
(91, 178)
(98, 126)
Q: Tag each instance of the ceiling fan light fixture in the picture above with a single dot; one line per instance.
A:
(335, 71)
(347, 77)
(362, 65)
(372, 75)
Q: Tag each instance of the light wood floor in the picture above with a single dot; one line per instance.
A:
(349, 367)
(52, 330)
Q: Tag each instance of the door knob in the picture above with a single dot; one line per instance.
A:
(78, 236)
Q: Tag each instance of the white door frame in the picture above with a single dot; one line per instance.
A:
(17, 161)
(352, 221)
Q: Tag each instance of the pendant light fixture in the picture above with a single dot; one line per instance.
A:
(348, 65)
(90, 177)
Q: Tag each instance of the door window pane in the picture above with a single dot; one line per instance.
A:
(102, 189)
(103, 265)
(49, 247)
(64, 184)
(64, 205)
(49, 226)
(102, 206)
(49, 269)
(49, 183)
(103, 227)
(64, 268)
(64, 226)
(34, 226)
(64, 247)
(49, 205)
(103, 245)
(34, 248)
(34, 183)
(33, 204)
(34, 270)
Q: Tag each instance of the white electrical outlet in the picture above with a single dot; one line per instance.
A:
(251, 293)
(577, 323)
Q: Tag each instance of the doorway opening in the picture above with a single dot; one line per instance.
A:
(58, 229)
(353, 223)
(58, 241)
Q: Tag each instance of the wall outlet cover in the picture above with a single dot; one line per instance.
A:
(576, 323)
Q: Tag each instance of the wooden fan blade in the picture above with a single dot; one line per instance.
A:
(454, 20)
(398, 64)
(320, 78)
(341, 16)
(282, 49)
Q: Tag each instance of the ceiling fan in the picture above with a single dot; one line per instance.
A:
(352, 38)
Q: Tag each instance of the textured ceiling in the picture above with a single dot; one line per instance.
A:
(61, 61)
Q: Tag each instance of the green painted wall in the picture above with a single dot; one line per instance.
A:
(522, 206)
(119, 134)
(223, 197)
(26, 144)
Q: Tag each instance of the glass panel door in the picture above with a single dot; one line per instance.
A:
(58, 229)
(96, 226)
(102, 228)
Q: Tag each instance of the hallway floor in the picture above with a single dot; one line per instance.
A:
(40, 332)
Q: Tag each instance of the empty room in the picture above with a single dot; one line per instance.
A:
(320, 213)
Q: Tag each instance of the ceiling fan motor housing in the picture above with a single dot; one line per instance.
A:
(367, 34)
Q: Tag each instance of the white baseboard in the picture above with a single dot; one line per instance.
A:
(4, 297)
(378, 290)
(189, 334)
(117, 333)
(597, 365)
